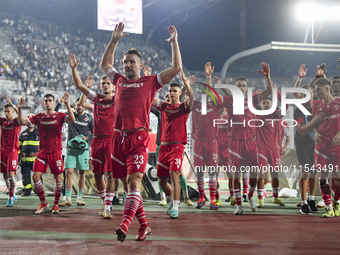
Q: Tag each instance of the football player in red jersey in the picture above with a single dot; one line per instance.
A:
(134, 97)
(327, 147)
(269, 140)
(173, 138)
(102, 109)
(304, 141)
(10, 130)
(205, 147)
(242, 145)
(49, 124)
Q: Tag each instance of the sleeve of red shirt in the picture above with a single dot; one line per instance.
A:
(186, 109)
(113, 75)
(299, 120)
(31, 119)
(64, 115)
(157, 81)
(314, 110)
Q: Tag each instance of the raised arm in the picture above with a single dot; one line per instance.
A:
(168, 74)
(208, 72)
(320, 73)
(225, 91)
(10, 103)
(22, 121)
(77, 81)
(70, 117)
(190, 99)
(82, 100)
(266, 72)
(107, 60)
(302, 73)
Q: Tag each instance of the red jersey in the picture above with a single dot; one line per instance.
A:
(270, 135)
(173, 121)
(240, 131)
(10, 131)
(103, 114)
(203, 125)
(133, 99)
(152, 142)
(330, 126)
(49, 128)
(223, 133)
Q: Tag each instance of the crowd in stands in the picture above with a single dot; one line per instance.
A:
(43, 49)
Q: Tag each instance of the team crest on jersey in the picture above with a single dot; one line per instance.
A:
(59, 164)
(86, 119)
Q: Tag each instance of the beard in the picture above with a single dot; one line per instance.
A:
(130, 74)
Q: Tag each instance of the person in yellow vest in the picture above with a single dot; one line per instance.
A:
(29, 144)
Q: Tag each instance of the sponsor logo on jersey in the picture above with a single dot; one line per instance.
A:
(133, 85)
(48, 122)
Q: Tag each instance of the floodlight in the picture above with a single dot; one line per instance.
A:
(313, 11)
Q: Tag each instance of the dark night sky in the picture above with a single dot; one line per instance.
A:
(213, 35)
(216, 36)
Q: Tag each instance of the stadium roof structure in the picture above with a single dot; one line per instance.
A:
(285, 59)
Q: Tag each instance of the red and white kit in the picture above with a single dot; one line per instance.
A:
(10, 131)
(242, 146)
(173, 129)
(325, 152)
(50, 144)
(204, 133)
(101, 147)
(133, 104)
(269, 139)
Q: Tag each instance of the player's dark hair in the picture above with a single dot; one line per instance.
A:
(78, 99)
(133, 51)
(241, 78)
(166, 95)
(175, 84)
(322, 82)
(336, 77)
(306, 87)
(269, 98)
(49, 95)
(8, 105)
(103, 77)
